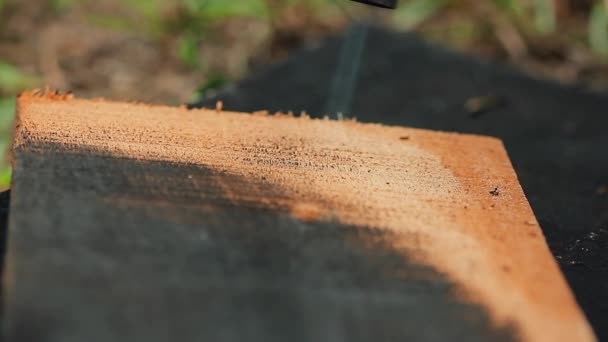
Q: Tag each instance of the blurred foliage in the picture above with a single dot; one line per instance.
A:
(528, 18)
(598, 28)
(13, 80)
(194, 17)
(7, 110)
(111, 22)
(5, 177)
(414, 12)
(214, 83)
(217, 9)
(60, 5)
(189, 51)
(545, 15)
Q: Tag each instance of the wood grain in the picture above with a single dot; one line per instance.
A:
(223, 226)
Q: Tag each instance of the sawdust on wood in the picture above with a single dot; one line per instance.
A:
(435, 187)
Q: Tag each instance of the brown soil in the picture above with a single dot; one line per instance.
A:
(457, 194)
(70, 50)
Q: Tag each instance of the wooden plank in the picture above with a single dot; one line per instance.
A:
(131, 222)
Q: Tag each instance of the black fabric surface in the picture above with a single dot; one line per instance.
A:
(556, 136)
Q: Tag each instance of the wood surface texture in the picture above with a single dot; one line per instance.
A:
(130, 222)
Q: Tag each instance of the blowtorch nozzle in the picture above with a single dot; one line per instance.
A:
(380, 3)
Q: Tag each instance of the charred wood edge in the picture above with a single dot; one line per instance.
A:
(5, 198)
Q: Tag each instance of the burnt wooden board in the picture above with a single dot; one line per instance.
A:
(157, 223)
(555, 134)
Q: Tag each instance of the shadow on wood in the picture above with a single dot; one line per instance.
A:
(159, 252)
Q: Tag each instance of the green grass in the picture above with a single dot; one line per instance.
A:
(219, 9)
(598, 29)
(413, 13)
(5, 177)
(545, 16)
(111, 22)
(7, 113)
(13, 80)
(61, 5)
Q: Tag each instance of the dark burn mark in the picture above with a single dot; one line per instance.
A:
(4, 208)
(298, 281)
(495, 192)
